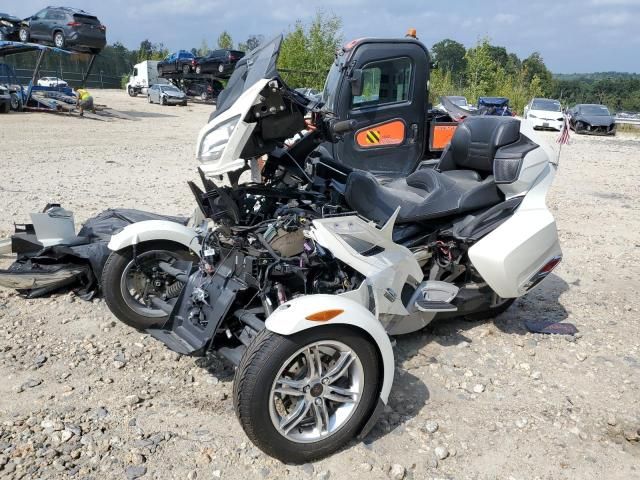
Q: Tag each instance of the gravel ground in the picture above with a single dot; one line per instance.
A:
(86, 397)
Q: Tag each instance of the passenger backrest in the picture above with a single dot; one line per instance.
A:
(475, 141)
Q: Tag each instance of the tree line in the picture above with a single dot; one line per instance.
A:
(308, 50)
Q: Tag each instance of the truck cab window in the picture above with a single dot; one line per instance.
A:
(385, 82)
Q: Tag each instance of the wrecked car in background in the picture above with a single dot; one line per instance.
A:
(592, 118)
(5, 100)
(9, 27)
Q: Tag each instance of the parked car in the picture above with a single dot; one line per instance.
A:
(65, 28)
(544, 113)
(166, 95)
(221, 62)
(9, 27)
(205, 91)
(52, 82)
(592, 118)
(180, 61)
(5, 100)
(9, 80)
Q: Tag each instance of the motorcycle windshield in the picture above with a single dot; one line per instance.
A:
(256, 65)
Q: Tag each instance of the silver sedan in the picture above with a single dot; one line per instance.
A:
(166, 95)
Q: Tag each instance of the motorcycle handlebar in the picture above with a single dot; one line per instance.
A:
(344, 126)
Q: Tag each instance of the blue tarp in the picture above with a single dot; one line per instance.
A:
(493, 102)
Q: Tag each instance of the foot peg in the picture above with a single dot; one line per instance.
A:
(434, 296)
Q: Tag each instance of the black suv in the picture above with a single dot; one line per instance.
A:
(220, 62)
(65, 28)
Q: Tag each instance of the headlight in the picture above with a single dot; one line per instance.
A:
(214, 142)
(6, 24)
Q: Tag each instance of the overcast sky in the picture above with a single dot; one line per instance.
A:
(571, 35)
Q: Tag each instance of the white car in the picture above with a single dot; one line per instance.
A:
(52, 82)
(544, 113)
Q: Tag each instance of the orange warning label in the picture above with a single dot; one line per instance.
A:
(441, 135)
(382, 134)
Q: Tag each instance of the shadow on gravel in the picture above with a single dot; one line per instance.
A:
(147, 114)
(409, 393)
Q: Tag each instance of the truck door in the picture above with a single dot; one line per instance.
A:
(390, 113)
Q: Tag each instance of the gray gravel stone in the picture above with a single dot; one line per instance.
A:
(134, 472)
(397, 472)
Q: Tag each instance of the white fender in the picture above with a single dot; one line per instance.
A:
(150, 230)
(290, 318)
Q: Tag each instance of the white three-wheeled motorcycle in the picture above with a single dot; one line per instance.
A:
(300, 278)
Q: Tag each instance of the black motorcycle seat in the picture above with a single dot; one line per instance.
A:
(462, 182)
(423, 195)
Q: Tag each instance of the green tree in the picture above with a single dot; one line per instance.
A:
(225, 40)
(308, 51)
(449, 55)
(253, 42)
(534, 66)
(482, 72)
(203, 51)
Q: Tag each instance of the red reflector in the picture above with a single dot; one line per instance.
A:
(74, 24)
(551, 265)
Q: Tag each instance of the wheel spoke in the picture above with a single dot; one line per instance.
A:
(285, 386)
(340, 395)
(294, 418)
(321, 415)
(340, 368)
(314, 365)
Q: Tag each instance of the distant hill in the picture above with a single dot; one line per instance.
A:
(597, 76)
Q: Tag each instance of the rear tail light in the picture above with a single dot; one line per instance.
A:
(543, 272)
(103, 28)
(74, 24)
(233, 57)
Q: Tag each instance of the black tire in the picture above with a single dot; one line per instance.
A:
(58, 40)
(149, 98)
(186, 69)
(23, 34)
(132, 92)
(491, 312)
(111, 276)
(256, 373)
(163, 101)
(204, 96)
(15, 102)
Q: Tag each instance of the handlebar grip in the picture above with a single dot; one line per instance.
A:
(344, 126)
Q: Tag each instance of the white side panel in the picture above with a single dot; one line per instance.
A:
(290, 318)
(155, 230)
(386, 271)
(515, 251)
(532, 166)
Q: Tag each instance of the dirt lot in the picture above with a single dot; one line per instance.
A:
(87, 397)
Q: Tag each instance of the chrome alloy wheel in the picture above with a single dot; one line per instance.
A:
(316, 391)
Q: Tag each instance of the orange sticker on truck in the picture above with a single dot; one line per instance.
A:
(381, 135)
(441, 135)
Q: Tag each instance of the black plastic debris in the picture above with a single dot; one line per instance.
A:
(550, 327)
